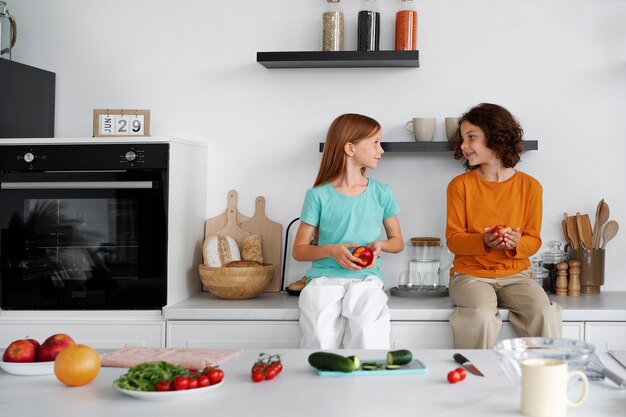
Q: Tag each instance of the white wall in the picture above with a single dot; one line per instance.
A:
(558, 65)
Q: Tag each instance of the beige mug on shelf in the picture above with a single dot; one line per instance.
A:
(423, 128)
(451, 124)
(544, 388)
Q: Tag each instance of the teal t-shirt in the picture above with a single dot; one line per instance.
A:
(347, 219)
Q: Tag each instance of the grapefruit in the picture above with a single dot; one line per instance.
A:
(77, 365)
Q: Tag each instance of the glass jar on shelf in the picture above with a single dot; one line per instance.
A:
(539, 274)
(550, 259)
(406, 26)
(332, 26)
(368, 26)
(8, 31)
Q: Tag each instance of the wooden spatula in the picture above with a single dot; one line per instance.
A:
(572, 231)
(584, 230)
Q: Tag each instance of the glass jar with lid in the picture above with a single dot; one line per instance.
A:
(368, 26)
(551, 258)
(539, 274)
(332, 26)
(406, 26)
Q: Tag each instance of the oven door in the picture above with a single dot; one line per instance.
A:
(83, 240)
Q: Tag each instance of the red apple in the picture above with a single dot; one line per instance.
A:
(51, 347)
(501, 230)
(20, 351)
(34, 342)
(365, 255)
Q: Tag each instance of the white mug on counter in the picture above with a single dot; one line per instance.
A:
(423, 128)
(544, 388)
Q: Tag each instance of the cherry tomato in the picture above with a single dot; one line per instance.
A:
(163, 385)
(461, 372)
(216, 376)
(257, 375)
(203, 381)
(192, 383)
(258, 365)
(278, 366)
(270, 373)
(193, 371)
(454, 377)
(180, 383)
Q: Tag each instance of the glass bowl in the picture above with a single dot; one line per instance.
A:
(512, 352)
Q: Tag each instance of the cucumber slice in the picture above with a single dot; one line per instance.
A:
(369, 367)
(332, 362)
(399, 357)
(356, 361)
(393, 366)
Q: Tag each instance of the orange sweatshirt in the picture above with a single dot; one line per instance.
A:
(475, 203)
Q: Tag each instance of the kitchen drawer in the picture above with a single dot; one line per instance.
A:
(234, 334)
(430, 334)
(574, 330)
(102, 334)
(606, 335)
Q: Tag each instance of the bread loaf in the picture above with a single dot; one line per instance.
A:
(241, 264)
(220, 249)
(251, 250)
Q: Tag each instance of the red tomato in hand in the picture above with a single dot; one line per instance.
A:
(461, 372)
(180, 383)
(454, 377)
(216, 376)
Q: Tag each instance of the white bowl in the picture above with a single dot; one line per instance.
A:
(28, 368)
(512, 352)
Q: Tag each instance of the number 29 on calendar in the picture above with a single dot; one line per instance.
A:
(121, 122)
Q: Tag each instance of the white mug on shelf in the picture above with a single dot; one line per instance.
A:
(423, 128)
(451, 124)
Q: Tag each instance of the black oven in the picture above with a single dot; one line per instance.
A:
(83, 226)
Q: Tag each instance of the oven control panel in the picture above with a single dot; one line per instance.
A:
(95, 156)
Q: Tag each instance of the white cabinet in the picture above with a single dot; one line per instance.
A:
(99, 334)
(234, 334)
(431, 334)
(606, 335)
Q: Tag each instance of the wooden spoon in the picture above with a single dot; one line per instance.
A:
(564, 227)
(584, 230)
(572, 231)
(609, 232)
(603, 216)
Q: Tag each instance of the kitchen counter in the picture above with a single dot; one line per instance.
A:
(298, 390)
(607, 306)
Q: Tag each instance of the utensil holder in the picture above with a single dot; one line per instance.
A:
(591, 269)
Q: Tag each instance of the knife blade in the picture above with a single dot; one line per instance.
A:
(467, 364)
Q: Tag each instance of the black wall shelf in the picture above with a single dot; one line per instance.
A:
(339, 59)
(528, 145)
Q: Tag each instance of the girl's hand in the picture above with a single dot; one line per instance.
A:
(340, 253)
(376, 246)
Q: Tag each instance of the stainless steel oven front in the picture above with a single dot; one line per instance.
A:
(83, 227)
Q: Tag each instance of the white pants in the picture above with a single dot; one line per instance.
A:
(344, 313)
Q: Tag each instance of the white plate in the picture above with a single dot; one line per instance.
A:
(169, 395)
(28, 368)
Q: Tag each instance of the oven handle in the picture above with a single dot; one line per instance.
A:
(76, 185)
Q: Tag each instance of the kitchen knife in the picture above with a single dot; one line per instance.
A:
(467, 364)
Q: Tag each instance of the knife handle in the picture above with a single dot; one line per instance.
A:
(460, 358)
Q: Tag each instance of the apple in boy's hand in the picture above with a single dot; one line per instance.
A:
(20, 351)
(51, 347)
(501, 230)
(365, 255)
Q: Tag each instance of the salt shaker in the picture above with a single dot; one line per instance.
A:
(573, 289)
(561, 278)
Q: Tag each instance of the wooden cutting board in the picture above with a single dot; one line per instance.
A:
(271, 234)
(214, 224)
(232, 229)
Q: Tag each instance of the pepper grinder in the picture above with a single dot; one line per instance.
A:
(561, 278)
(574, 278)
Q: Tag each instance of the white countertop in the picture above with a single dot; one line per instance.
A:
(607, 306)
(299, 391)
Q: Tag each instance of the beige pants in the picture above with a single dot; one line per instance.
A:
(476, 320)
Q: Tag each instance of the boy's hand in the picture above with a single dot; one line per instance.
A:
(508, 241)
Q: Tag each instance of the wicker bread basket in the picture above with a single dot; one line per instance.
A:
(236, 283)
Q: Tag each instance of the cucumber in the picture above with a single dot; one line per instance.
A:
(328, 361)
(399, 357)
(356, 361)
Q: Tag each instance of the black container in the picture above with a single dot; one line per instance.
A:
(368, 35)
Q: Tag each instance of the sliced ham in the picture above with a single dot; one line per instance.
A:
(129, 356)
